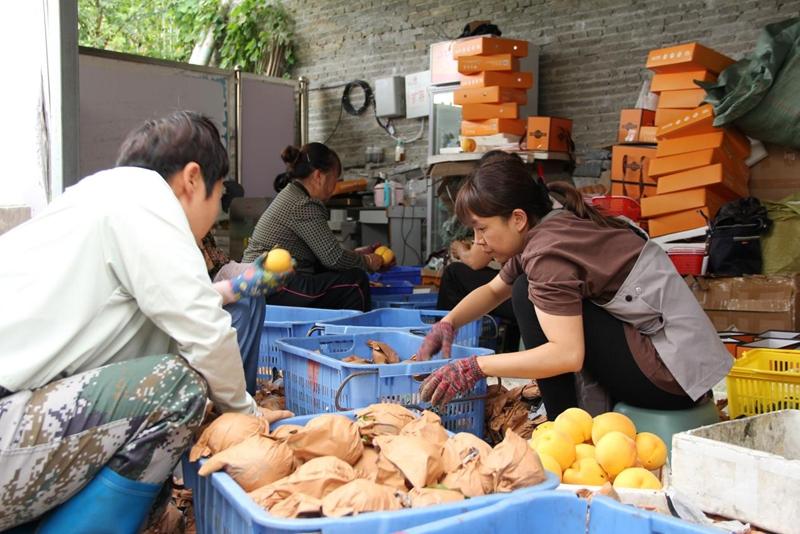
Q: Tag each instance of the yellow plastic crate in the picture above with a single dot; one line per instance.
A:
(764, 380)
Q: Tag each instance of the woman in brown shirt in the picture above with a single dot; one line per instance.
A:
(575, 262)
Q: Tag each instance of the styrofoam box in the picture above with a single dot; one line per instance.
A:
(746, 469)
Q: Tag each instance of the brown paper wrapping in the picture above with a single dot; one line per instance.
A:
(458, 447)
(325, 435)
(316, 478)
(419, 461)
(430, 496)
(225, 431)
(428, 427)
(383, 419)
(367, 466)
(253, 463)
(360, 496)
(284, 431)
(511, 465)
(297, 505)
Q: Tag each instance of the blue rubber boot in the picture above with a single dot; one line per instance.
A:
(108, 503)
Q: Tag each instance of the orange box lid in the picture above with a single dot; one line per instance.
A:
(680, 201)
(697, 121)
(715, 177)
(493, 126)
(685, 57)
(519, 80)
(680, 221)
(489, 45)
(490, 95)
(472, 112)
(673, 81)
(647, 134)
(682, 162)
(475, 64)
(681, 99)
(665, 115)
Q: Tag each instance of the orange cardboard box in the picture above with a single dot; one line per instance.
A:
(630, 122)
(675, 81)
(550, 134)
(665, 115)
(680, 201)
(683, 98)
(714, 177)
(630, 163)
(490, 95)
(477, 112)
(476, 64)
(485, 46)
(517, 80)
(647, 134)
(686, 57)
(635, 190)
(493, 126)
(699, 158)
(680, 221)
(696, 121)
(737, 142)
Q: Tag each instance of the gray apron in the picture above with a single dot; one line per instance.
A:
(655, 299)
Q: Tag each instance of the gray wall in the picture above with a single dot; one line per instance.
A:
(592, 53)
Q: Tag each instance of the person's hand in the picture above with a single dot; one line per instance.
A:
(439, 338)
(455, 378)
(273, 415)
(374, 262)
(256, 280)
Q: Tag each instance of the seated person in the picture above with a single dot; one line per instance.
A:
(113, 335)
(327, 275)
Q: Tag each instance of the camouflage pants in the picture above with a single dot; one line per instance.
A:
(136, 416)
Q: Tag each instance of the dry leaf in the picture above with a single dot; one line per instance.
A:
(360, 496)
(419, 461)
(512, 465)
(253, 463)
(382, 353)
(428, 427)
(430, 496)
(227, 430)
(325, 435)
(297, 505)
(382, 419)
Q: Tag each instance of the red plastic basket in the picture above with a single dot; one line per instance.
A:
(614, 205)
(687, 260)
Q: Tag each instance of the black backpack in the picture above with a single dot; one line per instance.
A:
(734, 238)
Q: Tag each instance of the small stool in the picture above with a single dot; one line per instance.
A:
(665, 423)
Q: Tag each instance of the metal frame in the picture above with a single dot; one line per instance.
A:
(234, 93)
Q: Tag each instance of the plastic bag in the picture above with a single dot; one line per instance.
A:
(781, 246)
(759, 93)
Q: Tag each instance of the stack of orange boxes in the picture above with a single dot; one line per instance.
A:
(697, 167)
(492, 88)
(630, 161)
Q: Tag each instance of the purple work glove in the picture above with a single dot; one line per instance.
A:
(455, 378)
(439, 338)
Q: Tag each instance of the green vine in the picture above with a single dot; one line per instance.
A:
(254, 34)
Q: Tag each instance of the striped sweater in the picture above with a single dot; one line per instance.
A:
(299, 223)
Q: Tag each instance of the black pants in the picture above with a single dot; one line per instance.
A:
(342, 290)
(607, 357)
(459, 280)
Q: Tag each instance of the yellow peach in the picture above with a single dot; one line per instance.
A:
(278, 261)
(584, 450)
(614, 452)
(651, 450)
(585, 471)
(557, 445)
(638, 478)
(550, 463)
(610, 421)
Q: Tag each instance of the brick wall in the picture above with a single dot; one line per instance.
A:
(592, 53)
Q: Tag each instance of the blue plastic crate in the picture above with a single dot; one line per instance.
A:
(562, 512)
(396, 288)
(221, 505)
(414, 301)
(399, 273)
(288, 321)
(414, 321)
(314, 376)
